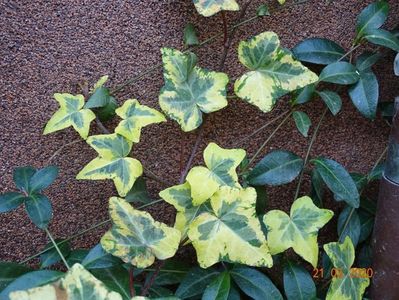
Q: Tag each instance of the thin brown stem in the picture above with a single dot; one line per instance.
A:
(152, 279)
(102, 127)
(149, 174)
(62, 148)
(131, 282)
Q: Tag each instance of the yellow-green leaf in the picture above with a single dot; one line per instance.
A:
(348, 284)
(189, 90)
(180, 197)
(78, 284)
(273, 71)
(220, 171)
(230, 230)
(70, 113)
(136, 116)
(136, 238)
(100, 83)
(112, 162)
(208, 8)
(281, 1)
(299, 230)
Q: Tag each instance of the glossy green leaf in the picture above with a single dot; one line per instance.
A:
(364, 258)
(332, 100)
(99, 83)
(39, 210)
(304, 95)
(383, 38)
(112, 162)
(10, 271)
(373, 16)
(298, 284)
(318, 51)
(173, 272)
(139, 192)
(190, 35)
(230, 231)
(135, 117)
(100, 98)
(254, 283)
(70, 113)
(261, 200)
(302, 122)
(368, 205)
(262, 10)
(220, 171)
(196, 282)
(10, 201)
(97, 258)
(22, 176)
(317, 188)
(360, 180)
(366, 224)
(208, 8)
(366, 60)
(219, 288)
(190, 90)
(396, 65)
(299, 230)
(338, 181)
(377, 172)
(115, 278)
(276, 168)
(76, 256)
(107, 112)
(345, 287)
(42, 179)
(349, 225)
(273, 71)
(339, 73)
(180, 197)
(136, 238)
(364, 94)
(51, 256)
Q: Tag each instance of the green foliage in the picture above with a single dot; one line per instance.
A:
(190, 35)
(339, 73)
(298, 284)
(318, 51)
(10, 271)
(302, 122)
(208, 8)
(51, 256)
(332, 100)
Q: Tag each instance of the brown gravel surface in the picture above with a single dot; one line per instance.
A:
(49, 46)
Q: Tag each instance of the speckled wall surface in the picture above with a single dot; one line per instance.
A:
(48, 46)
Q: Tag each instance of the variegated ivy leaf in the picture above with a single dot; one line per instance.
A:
(208, 8)
(99, 83)
(136, 116)
(78, 284)
(299, 230)
(112, 162)
(136, 238)
(70, 113)
(347, 285)
(180, 197)
(230, 230)
(189, 90)
(273, 71)
(220, 171)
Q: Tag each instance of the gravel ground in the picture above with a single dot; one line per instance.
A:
(49, 46)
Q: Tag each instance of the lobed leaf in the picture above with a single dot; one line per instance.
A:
(299, 230)
(208, 8)
(273, 71)
(136, 238)
(112, 162)
(70, 113)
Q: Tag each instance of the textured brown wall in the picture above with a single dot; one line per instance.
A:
(48, 47)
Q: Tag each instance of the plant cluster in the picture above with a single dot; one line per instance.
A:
(221, 206)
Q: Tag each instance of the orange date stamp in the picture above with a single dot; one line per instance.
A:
(318, 273)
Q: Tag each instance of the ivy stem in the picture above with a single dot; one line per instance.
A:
(56, 248)
(305, 162)
(76, 235)
(265, 142)
(62, 148)
(131, 282)
(152, 279)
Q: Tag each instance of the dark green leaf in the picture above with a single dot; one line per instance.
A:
(302, 122)
(39, 210)
(51, 256)
(195, 282)
(97, 258)
(383, 38)
(373, 16)
(387, 110)
(9, 271)
(108, 111)
(366, 60)
(305, 94)
(366, 224)
(262, 10)
(276, 168)
(173, 272)
(261, 200)
(349, 225)
(42, 179)
(31, 280)
(360, 181)
(139, 192)
(338, 181)
(396, 65)
(332, 100)
(161, 293)
(76, 256)
(340, 73)
(376, 172)
(22, 176)
(10, 201)
(318, 51)
(317, 188)
(190, 35)
(365, 257)
(364, 94)
(298, 284)
(234, 293)
(219, 288)
(100, 98)
(368, 205)
(255, 284)
(115, 278)
(327, 265)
